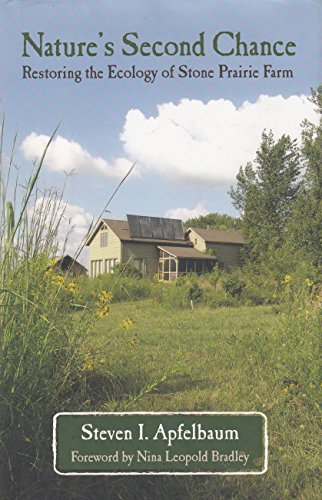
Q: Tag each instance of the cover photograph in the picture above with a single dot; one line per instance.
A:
(160, 249)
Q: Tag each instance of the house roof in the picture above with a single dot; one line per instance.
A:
(186, 253)
(216, 236)
(121, 229)
(66, 261)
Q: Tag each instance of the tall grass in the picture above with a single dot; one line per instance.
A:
(43, 365)
(40, 362)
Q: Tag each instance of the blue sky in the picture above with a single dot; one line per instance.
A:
(188, 136)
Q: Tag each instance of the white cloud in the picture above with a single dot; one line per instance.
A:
(207, 142)
(187, 213)
(191, 142)
(73, 223)
(64, 155)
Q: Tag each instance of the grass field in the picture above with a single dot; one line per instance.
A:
(224, 359)
(208, 355)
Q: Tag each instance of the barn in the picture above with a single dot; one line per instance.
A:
(67, 265)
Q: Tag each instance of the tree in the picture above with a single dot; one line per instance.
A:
(214, 221)
(306, 223)
(265, 194)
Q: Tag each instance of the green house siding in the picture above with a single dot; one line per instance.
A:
(148, 252)
(228, 255)
(100, 256)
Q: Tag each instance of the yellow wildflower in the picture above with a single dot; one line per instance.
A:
(89, 367)
(52, 262)
(309, 282)
(288, 278)
(127, 323)
(285, 390)
(105, 297)
(103, 311)
(58, 280)
(71, 287)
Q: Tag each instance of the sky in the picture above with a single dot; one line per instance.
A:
(187, 136)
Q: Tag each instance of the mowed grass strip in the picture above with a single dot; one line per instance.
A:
(223, 359)
(208, 355)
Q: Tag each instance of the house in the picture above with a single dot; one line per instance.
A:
(68, 265)
(161, 246)
(226, 245)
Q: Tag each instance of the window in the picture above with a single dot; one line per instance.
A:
(191, 266)
(103, 239)
(199, 267)
(113, 263)
(109, 264)
(167, 267)
(139, 264)
(96, 267)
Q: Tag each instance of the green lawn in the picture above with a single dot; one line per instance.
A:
(208, 355)
(222, 359)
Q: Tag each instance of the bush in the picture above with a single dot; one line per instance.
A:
(233, 284)
(214, 276)
(219, 299)
(127, 271)
(195, 292)
(121, 287)
(171, 295)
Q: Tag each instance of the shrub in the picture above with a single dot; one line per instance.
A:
(195, 292)
(126, 270)
(121, 287)
(219, 299)
(233, 284)
(214, 276)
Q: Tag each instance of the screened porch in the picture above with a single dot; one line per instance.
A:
(178, 261)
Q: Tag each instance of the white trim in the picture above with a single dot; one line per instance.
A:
(257, 473)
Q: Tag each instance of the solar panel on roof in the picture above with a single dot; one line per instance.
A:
(134, 225)
(167, 229)
(178, 229)
(145, 225)
(141, 226)
(157, 229)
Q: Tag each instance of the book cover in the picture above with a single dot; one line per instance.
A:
(160, 232)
